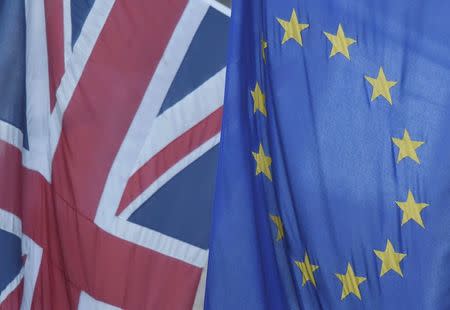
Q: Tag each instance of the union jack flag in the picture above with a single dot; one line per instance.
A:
(109, 123)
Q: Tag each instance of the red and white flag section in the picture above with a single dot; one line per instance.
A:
(109, 125)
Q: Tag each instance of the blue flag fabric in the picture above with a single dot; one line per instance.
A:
(333, 187)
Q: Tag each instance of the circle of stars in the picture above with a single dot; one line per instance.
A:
(381, 87)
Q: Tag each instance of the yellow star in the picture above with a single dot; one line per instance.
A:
(279, 224)
(307, 270)
(407, 147)
(412, 209)
(340, 42)
(390, 259)
(381, 86)
(259, 100)
(263, 47)
(292, 28)
(350, 282)
(263, 162)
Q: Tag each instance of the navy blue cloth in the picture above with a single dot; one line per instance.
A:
(341, 166)
(11, 260)
(12, 65)
(194, 186)
(196, 68)
(79, 12)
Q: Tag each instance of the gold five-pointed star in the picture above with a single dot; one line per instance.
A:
(292, 28)
(390, 259)
(259, 100)
(350, 282)
(279, 224)
(340, 42)
(412, 209)
(263, 163)
(307, 270)
(407, 147)
(381, 86)
(263, 47)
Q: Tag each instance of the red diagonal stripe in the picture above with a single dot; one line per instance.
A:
(54, 24)
(169, 156)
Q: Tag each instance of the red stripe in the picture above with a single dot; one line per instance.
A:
(106, 99)
(52, 290)
(11, 170)
(54, 21)
(169, 156)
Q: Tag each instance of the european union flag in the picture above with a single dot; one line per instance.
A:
(333, 187)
